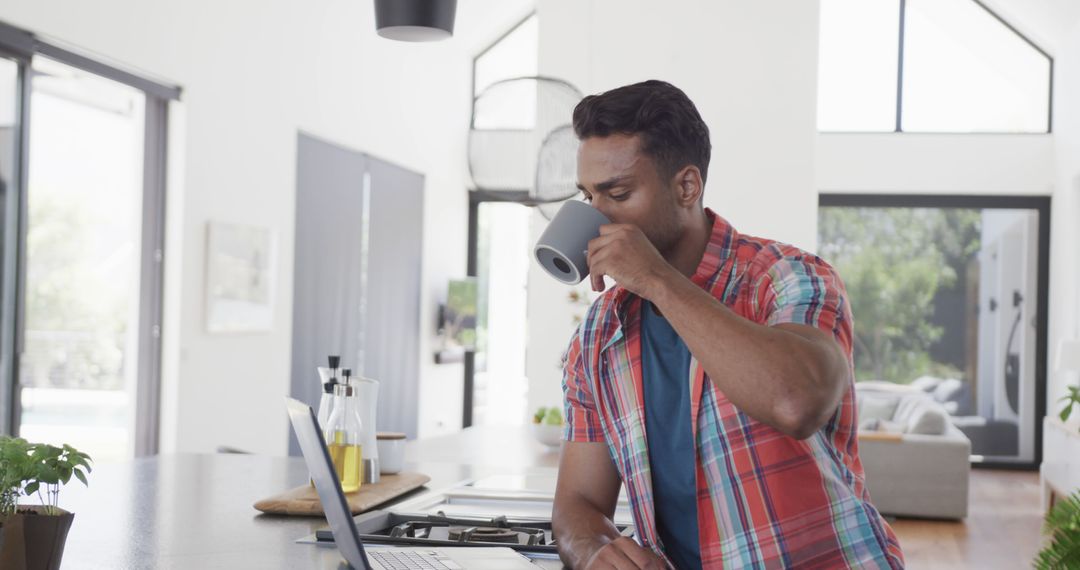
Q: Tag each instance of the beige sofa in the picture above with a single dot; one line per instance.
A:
(916, 461)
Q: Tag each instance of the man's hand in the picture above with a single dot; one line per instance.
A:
(624, 553)
(624, 253)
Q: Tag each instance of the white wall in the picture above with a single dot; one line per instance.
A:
(1065, 236)
(935, 164)
(751, 69)
(253, 73)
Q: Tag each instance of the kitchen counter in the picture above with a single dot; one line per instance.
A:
(195, 511)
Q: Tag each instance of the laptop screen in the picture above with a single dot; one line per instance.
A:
(322, 471)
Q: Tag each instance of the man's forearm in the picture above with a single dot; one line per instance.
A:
(776, 376)
(580, 531)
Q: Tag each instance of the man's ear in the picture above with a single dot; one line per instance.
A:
(688, 186)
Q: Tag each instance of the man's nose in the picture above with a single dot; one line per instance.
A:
(605, 209)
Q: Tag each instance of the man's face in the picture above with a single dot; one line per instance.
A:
(625, 185)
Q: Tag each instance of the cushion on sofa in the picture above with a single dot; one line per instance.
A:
(874, 407)
(927, 419)
(926, 383)
(881, 426)
(907, 407)
(948, 390)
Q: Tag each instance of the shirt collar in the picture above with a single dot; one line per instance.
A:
(716, 253)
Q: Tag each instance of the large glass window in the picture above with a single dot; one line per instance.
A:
(959, 68)
(502, 275)
(857, 65)
(513, 55)
(79, 364)
(948, 300)
(495, 373)
(82, 208)
(965, 71)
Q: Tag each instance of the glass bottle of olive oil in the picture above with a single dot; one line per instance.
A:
(343, 438)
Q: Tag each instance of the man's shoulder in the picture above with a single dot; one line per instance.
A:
(761, 255)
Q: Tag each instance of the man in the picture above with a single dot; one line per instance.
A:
(714, 379)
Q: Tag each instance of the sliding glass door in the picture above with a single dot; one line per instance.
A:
(77, 369)
(82, 182)
(949, 299)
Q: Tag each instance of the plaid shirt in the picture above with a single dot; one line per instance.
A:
(765, 500)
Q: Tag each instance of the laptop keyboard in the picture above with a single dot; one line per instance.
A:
(409, 560)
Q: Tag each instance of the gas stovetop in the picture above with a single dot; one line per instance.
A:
(385, 527)
(501, 510)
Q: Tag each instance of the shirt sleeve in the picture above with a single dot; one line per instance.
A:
(803, 289)
(582, 419)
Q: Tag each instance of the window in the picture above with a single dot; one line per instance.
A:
(82, 158)
(949, 66)
(495, 383)
(502, 275)
(948, 295)
(77, 370)
(512, 55)
(857, 65)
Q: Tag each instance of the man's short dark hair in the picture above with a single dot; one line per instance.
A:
(672, 131)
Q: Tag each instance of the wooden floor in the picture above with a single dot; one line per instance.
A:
(1002, 529)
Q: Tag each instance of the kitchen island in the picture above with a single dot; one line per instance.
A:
(195, 510)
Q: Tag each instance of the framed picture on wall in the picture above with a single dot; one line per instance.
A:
(240, 272)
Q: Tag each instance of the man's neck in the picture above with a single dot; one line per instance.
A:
(687, 253)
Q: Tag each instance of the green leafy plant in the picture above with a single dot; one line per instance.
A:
(14, 468)
(1072, 399)
(37, 469)
(1063, 526)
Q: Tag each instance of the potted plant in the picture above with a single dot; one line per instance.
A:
(33, 536)
(1063, 527)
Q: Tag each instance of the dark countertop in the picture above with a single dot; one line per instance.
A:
(195, 511)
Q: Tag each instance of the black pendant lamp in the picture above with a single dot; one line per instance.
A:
(415, 20)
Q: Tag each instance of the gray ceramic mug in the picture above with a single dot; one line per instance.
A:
(562, 247)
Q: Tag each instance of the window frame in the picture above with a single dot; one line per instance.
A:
(897, 127)
(22, 47)
(476, 197)
(1040, 204)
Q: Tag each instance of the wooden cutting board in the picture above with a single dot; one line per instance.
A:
(304, 501)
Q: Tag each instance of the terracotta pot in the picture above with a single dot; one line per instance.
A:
(34, 541)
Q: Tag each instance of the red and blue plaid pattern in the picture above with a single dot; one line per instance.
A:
(765, 500)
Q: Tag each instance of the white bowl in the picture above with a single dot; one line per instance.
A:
(549, 435)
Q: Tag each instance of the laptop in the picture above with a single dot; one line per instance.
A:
(343, 527)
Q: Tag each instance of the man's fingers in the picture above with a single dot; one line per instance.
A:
(596, 275)
(598, 242)
(614, 555)
(613, 228)
(597, 281)
(641, 557)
